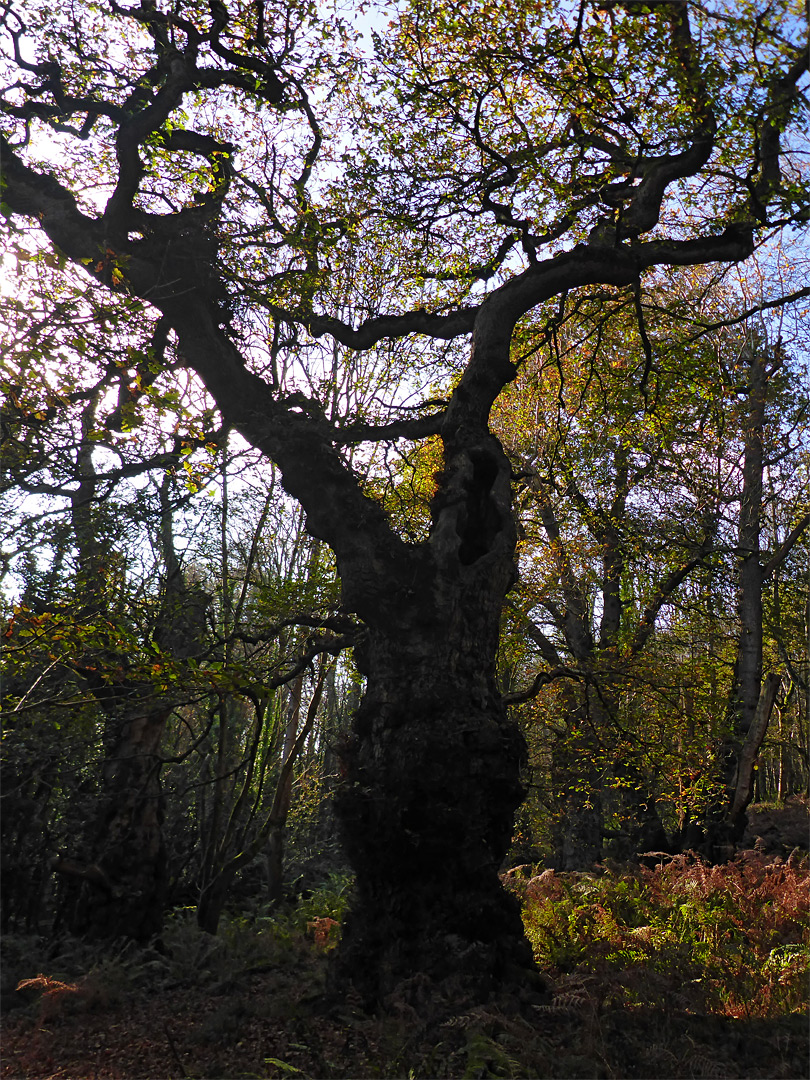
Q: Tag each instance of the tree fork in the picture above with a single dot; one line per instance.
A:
(433, 768)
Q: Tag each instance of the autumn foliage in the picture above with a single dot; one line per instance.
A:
(681, 969)
(726, 940)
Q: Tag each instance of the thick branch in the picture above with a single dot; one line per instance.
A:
(663, 593)
(417, 427)
(490, 367)
(42, 197)
(539, 681)
(372, 331)
(644, 210)
(784, 548)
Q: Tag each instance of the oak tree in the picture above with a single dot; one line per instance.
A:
(238, 167)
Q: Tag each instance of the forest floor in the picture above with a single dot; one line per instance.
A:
(679, 970)
(261, 1027)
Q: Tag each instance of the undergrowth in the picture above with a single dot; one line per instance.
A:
(685, 970)
(83, 975)
(257, 939)
(730, 940)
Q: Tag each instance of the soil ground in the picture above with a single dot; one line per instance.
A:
(263, 1026)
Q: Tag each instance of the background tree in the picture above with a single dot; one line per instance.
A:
(116, 640)
(631, 502)
(68, 446)
(613, 526)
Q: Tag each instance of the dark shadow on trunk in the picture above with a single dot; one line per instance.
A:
(578, 779)
(119, 891)
(427, 814)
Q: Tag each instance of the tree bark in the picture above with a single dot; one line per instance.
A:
(120, 890)
(756, 733)
(748, 667)
(745, 691)
(578, 782)
(212, 899)
(432, 768)
(275, 841)
(432, 784)
(725, 824)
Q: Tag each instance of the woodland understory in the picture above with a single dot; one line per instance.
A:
(679, 970)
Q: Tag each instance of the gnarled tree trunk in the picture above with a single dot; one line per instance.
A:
(433, 766)
(433, 781)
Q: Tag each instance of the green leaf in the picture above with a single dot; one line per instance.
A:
(281, 1065)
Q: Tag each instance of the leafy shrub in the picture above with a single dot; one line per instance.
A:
(329, 901)
(317, 916)
(731, 940)
(257, 940)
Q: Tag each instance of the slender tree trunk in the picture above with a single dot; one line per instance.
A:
(725, 823)
(780, 763)
(215, 892)
(748, 666)
(722, 835)
(275, 841)
(750, 748)
(212, 899)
